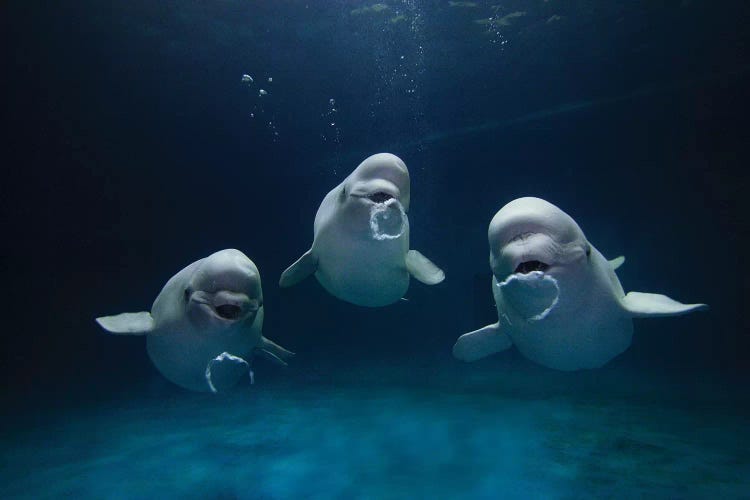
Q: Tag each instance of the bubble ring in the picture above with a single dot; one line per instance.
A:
(382, 208)
(536, 278)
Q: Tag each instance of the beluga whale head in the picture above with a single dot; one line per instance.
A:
(224, 293)
(379, 178)
(534, 246)
(378, 191)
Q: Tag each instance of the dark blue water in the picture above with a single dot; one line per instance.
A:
(132, 148)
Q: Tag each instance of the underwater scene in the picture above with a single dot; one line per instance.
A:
(379, 250)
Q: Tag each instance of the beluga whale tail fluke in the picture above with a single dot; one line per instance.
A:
(360, 251)
(558, 299)
(205, 325)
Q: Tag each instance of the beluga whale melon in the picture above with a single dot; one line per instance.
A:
(205, 325)
(558, 299)
(360, 251)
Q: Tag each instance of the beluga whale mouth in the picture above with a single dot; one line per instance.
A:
(530, 266)
(229, 311)
(380, 197)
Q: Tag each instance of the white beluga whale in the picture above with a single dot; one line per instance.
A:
(558, 299)
(206, 323)
(360, 251)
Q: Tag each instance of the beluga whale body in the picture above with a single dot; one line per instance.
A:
(558, 299)
(360, 251)
(206, 323)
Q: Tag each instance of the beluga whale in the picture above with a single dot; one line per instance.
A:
(205, 325)
(360, 251)
(558, 299)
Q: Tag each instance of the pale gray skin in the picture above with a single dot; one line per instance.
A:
(592, 320)
(213, 306)
(345, 258)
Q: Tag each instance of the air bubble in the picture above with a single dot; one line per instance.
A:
(537, 286)
(388, 220)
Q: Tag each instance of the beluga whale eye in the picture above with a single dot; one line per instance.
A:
(229, 311)
(380, 197)
(531, 266)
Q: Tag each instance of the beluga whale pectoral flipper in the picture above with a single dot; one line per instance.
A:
(360, 251)
(205, 325)
(558, 299)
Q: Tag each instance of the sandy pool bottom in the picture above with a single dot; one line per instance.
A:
(397, 433)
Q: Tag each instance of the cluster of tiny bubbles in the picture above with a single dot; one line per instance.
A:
(331, 132)
(387, 220)
(399, 59)
(261, 107)
(494, 29)
(414, 67)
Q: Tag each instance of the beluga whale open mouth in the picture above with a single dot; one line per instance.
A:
(229, 311)
(224, 305)
(380, 197)
(529, 266)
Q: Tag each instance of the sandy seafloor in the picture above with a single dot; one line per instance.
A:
(496, 429)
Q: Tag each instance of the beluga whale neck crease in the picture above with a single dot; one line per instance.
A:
(558, 299)
(360, 251)
(205, 324)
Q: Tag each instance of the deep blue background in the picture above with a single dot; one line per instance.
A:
(129, 152)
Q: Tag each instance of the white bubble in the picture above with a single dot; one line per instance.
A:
(388, 220)
(262, 92)
(270, 79)
(247, 78)
(539, 281)
(230, 369)
(331, 102)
